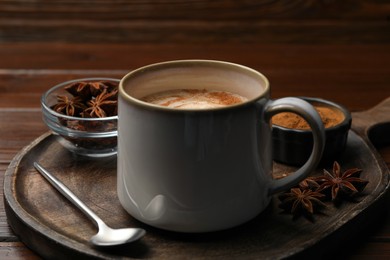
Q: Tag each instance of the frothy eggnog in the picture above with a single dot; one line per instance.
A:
(194, 98)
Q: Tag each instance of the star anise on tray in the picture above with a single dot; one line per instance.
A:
(337, 184)
(300, 201)
(70, 106)
(309, 183)
(310, 195)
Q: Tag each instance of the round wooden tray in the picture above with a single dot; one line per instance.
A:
(48, 224)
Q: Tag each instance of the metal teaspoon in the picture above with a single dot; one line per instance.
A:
(106, 236)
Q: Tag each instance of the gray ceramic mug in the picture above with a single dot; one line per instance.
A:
(200, 170)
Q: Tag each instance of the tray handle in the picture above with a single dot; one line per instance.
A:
(374, 124)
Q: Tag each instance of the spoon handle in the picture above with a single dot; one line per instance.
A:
(68, 194)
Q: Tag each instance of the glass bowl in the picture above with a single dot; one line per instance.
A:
(293, 146)
(87, 136)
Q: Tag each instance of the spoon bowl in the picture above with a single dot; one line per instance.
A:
(112, 237)
(106, 236)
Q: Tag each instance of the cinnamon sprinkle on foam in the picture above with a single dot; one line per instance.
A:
(194, 98)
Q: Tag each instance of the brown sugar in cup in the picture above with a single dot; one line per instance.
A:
(330, 117)
(292, 137)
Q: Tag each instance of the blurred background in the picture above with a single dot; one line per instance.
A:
(294, 43)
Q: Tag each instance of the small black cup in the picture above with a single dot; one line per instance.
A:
(294, 146)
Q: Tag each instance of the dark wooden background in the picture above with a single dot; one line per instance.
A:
(334, 49)
(197, 21)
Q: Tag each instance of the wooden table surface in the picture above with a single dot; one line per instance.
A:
(337, 50)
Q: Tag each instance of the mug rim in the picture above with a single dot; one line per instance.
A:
(173, 63)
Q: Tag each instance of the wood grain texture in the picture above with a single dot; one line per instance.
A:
(14, 137)
(16, 250)
(30, 125)
(200, 21)
(84, 57)
(292, 70)
(197, 9)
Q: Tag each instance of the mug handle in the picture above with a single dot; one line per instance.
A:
(307, 111)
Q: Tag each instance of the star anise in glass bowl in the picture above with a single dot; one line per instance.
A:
(83, 114)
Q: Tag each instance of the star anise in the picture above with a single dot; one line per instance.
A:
(79, 89)
(98, 87)
(104, 105)
(338, 184)
(70, 106)
(109, 86)
(309, 183)
(86, 90)
(301, 202)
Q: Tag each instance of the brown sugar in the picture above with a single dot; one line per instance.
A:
(329, 116)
